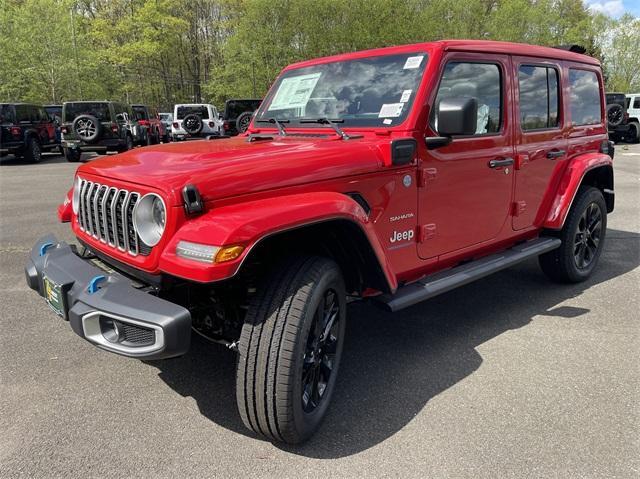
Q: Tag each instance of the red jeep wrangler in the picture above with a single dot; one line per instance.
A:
(393, 174)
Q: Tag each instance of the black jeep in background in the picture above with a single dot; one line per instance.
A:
(98, 126)
(237, 115)
(26, 131)
(618, 119)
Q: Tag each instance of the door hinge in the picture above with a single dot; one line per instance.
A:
(425, 175)
(519, 207)
(426, 232)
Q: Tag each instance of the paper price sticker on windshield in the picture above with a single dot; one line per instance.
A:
(413, 62)
(406, 94)
(391, 110)
(294, 92)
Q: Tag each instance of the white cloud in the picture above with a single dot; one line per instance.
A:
(613, 8)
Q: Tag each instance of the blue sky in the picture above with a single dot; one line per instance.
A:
(615, 8)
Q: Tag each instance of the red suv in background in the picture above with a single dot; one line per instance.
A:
(149, 118)
(392, 175)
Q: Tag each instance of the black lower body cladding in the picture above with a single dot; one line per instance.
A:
(105, 308)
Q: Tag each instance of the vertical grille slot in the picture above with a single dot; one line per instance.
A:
(106, 213)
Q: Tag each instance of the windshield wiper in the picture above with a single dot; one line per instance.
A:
(278, 123)
(332, 123)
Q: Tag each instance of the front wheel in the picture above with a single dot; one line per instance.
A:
(582, 238)
(290, 348)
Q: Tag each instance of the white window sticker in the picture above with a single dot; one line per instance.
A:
(405, 96)
(391, 110)
(294, 92)
(413, 62)
(387, 121)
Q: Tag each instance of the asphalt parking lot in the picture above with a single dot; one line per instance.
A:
(511, 376)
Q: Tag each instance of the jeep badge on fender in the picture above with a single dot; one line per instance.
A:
(390, 175)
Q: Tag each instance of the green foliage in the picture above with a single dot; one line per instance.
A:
(165, 51)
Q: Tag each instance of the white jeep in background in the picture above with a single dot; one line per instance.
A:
(195, 120)
(633, 109)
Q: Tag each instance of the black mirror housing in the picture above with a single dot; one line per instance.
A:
(457, 116)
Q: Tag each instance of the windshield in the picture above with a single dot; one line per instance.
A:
(375, 91)
(202, 111)
(99, 110)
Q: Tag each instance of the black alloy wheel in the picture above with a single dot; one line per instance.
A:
(582, 236)
(615, 114)
(320, 353)
(587, 237)
(243, 121)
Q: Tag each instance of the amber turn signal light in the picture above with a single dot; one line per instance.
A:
(228, 253)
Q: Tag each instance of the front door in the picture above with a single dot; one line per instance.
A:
(467, 185)
(540, 142)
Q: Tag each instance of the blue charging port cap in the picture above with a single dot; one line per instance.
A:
(93, 284)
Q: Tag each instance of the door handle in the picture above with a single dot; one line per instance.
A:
(499, 163)
(552, 155)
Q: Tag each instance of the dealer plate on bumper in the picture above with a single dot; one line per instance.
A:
(53, 295)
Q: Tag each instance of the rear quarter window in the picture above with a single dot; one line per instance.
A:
(584, 99)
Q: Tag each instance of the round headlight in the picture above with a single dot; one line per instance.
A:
(75, 198)
(149, 218)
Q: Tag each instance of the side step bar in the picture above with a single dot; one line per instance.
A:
(444, 281)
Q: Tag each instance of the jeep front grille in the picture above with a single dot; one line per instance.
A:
(106, 213)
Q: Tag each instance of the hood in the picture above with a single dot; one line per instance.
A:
(232, 166)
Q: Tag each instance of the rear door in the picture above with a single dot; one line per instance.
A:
(541, 140)
(465, 195)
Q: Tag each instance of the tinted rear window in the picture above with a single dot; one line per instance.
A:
(584, 97)
(99, 110)
(140, 112)
(201, 111)
(233, 108)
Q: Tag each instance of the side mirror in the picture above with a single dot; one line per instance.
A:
(457, 116)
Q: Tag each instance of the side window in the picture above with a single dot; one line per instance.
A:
(481, 81)
(636, 102)
(22, 113)
(584, 98)
(538, 97)
(33, 113)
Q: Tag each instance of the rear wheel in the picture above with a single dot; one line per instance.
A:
(33, 151)
(582, 238)
(634, 132)
(290, 348)
(72, 155)
(128, 145)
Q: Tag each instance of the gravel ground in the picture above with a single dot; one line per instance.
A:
(511, 376)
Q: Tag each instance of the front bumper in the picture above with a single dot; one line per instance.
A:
(112, 312)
